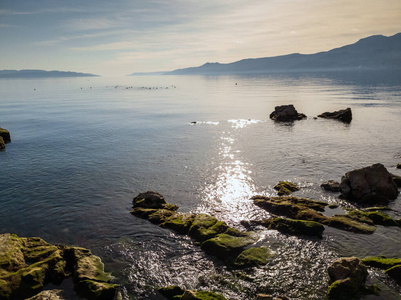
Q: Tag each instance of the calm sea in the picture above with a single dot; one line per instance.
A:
(82, 148)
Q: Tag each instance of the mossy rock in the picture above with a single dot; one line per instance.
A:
(252, 257)
(294, 227)
(171, 292)
(179, 222)
(153, 200)
(346, 223)
(205, 227)
(286, 188)
(161, 215)
(2, 144)
(96, 290)
(372, 218)
(5, 134)
(143, 213)
(395, 273)
(202, 295)
(226, 247)
(381, 262)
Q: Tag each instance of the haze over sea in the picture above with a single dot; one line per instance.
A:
(82, 148)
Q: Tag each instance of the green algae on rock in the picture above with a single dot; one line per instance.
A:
(28, 264)
(372, 218)
(253, 257)
(177, 293)
(395, 273)
(381, 262)
(347, 276)
(344, 222)
(215, 237)
(285, 188)
(294, 227)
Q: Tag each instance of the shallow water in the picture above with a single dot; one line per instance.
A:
(83, 148)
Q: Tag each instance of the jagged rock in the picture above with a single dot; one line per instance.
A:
(286, 113)
(285, 188)
(331, 185)
(347, 277)
(5, 135)
(344, 115)
(369, 185)
(28, 264)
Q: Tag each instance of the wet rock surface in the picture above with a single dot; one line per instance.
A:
(28, 264)
(5, 134)
(343, 115)
(285, 188)
(286, 113)
(215, 237)
(331, 186)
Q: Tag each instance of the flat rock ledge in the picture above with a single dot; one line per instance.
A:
(215, 237)
(27, 265)
(391, 266)
(304, 217)
(343, 115)
(286, 113)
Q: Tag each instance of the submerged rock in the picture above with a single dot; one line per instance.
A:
(28, 264)
(331, 186)
(370, 185)
(286, 188)
(286, 113)
(253, 257)
(344, 115)
(347, 277)
(5, 135)
(215, 237)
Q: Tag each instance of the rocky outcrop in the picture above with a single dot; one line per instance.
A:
(285, 188)
(369, 186)
(344, 115)
(5, 135)
(215, 237)
(286, 113)
(28, 264)
(308, 210)
(294, 227)
(2, 144)
(49, 295)
(391, 266)
(347, 277)
(177, 293)
(331, 186)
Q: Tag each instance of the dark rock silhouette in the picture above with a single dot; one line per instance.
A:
(344, 115)
(286, 113)
(5, 135)
(370, 185)
(331, 185)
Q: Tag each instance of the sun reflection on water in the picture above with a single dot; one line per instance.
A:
(228, 195)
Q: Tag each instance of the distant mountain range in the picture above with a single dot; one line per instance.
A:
(40, 74)
(376, 52)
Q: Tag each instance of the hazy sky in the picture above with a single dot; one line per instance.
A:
(126, 36)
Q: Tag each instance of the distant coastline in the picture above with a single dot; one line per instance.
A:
(373, 53)
(41, 74)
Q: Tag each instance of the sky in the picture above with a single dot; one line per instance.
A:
(116, 38)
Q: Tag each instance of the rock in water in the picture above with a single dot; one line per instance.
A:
(344, 115)
(2, 144)
(286, 113)
(369, 185)
(347, 277)
(5, 135)
(331, 186)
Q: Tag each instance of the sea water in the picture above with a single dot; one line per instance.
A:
(82, 148)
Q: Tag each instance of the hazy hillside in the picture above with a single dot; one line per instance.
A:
(40, 74)
(376, 52)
